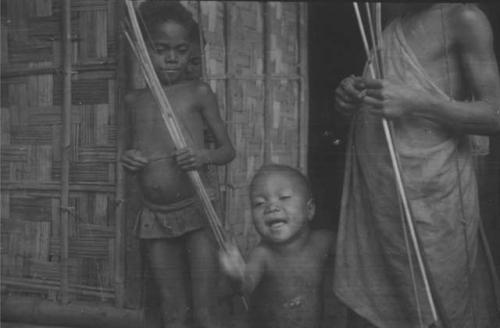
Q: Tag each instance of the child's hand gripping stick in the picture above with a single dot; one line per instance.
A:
(233, 264)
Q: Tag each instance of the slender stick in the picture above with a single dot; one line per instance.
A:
(394, 160)
(119, 243)
(373, 37)
(268, 111)
(303, 83)
(65, 151)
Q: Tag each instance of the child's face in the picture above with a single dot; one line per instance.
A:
(281, 207)
(171, 52)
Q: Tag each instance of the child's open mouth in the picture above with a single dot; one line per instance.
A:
(276, 223)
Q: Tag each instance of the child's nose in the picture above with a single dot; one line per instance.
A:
(171, 56)
(271, 207)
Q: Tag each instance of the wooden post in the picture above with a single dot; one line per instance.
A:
(119, 242)
(303, 84)
(202, 44)
(227, 104)
(65, 148)
(268, 111)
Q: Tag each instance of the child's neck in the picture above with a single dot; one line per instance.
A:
(178, 82)
(295, 244)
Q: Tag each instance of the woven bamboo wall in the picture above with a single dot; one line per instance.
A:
(31, 152)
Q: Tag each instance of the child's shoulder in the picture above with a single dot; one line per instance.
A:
(199, 87)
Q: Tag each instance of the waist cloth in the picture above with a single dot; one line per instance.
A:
(169, 221)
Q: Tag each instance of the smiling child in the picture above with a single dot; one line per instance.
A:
(284, 273)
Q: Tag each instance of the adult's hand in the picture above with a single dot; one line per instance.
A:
(349, 95)
(393, 100)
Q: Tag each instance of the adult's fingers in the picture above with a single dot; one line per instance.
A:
(347, 96)
(375, 93)
(345, 107)
(348, 88)
(370, 83)
(373, 102)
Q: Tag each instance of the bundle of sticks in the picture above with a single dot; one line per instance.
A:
(375, 67)
(138, 46)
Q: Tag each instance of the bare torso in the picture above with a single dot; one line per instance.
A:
(429, 34)
(290, 292)
(162, 181)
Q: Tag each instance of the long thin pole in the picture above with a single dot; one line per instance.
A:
(303, 83)
(119, 243)
(227, 101)
(268, 111)
(65, 150)
(395, 164)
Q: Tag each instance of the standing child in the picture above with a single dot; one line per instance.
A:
(179, 246)
(284, 273)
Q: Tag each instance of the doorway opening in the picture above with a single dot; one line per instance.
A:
(335, 51)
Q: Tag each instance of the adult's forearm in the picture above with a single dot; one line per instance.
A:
(477, 117)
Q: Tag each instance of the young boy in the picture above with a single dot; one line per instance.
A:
(172, 225)
(284, 273)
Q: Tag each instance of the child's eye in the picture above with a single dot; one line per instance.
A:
(159, 49)
(258, 203)
(285, 197)
(183, 49)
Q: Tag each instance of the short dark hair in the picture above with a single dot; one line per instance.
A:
(282, 168)
(154, 12)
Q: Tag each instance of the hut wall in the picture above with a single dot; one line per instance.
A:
(31, 153)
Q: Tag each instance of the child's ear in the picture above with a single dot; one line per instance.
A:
(311, 209)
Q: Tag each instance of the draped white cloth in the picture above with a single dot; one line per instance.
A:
(372, 273)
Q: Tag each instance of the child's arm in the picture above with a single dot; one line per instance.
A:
(246, 275)
(224, 151)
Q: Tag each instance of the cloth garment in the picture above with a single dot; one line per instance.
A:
(169, 221)
(372, 271)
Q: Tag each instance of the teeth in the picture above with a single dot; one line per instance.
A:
(277, 224)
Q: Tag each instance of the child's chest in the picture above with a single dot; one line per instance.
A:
(290, 274)
(150, 123)
(289, 295)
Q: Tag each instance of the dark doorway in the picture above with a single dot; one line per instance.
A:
(335, 51)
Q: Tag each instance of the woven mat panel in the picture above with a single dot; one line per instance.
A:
(31, 147)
